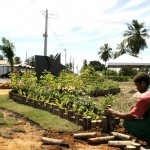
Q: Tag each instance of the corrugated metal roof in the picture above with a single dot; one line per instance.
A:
(4, 63)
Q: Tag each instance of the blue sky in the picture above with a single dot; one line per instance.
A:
(79, 26)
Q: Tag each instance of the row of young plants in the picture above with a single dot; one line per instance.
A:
(68, 90)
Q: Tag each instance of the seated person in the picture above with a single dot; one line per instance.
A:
(137, 120)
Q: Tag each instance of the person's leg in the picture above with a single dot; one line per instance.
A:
(138, 128)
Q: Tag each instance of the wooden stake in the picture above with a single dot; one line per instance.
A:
(108, 117)
(119, 143)
(84, 125)
(70, 113)
(99, 123)
(80, 122)
(137, 145)
(65, 115)
(48, 107)
(78, 116)
(130, 147)
(55, 111)
(121, 136)
(117, 120)
(54, 106)
(73, 119)
(93, 123)
(104, 124)
(100, 139)
(88, 122)
(61, 111)
(54, 141)
(85, 135)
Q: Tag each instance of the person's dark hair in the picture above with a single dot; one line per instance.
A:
(142, 76)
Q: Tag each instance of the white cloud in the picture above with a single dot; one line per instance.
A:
(133, 3)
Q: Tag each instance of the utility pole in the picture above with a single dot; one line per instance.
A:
(26, 55)
(77, 69)
(73, 64)
(70, 63)
(45, 35)
(65, 57)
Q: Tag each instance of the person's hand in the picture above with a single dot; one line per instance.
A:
(109, 111)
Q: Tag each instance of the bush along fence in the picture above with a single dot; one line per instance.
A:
(69, 96)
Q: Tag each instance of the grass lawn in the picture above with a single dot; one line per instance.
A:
(45, 119)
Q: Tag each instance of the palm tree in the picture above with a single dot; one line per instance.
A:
(122, 49)
(136, 37)
(8, 51)
(105, 53)
(85, 63)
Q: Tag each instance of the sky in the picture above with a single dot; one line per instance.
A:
(77, 28)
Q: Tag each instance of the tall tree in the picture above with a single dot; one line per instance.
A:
(30, 61)
(85, 63)
(97, 65)
(135, 37)
(7, 49)
(122, 49)
(105, 54)
(17, 60)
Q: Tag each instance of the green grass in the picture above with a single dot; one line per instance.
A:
(45, 119)
(122, 101)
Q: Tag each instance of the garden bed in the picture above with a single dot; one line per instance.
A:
(18, 140)
(85, 121)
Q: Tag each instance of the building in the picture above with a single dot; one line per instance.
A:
(4, 67)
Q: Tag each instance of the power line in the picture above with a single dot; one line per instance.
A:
(46, 16)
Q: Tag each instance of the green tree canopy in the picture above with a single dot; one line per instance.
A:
(122, 49)
(17, 60)
(97, 65)
(7, 49)
(135, 37)
(30, 61)
(105, 54)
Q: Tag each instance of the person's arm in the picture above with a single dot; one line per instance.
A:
(125, 116)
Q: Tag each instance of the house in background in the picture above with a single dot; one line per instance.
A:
(4, 67)
(23, 67)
